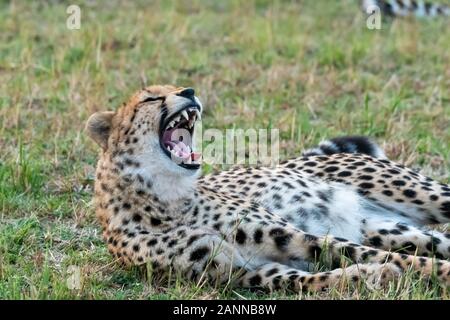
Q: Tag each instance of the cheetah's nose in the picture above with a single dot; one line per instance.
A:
(187, 93)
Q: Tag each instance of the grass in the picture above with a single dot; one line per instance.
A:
(309, 68)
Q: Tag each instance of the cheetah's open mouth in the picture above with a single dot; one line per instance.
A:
(176, 137)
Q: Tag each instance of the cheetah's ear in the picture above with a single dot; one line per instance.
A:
(98, 127)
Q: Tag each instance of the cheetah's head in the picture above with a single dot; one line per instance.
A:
(152, 133)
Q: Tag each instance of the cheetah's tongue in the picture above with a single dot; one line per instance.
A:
(179, 148)
(195, 156)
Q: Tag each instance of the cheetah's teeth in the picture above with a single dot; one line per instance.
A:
(185, 114)
(199, 116)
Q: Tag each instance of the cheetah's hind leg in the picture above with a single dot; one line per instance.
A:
(275, 276)
(400, 237)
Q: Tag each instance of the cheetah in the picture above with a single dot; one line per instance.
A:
(407, 8)
(259, 227)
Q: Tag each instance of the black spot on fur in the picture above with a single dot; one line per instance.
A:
(240, 236)
(315, 251)
(309, 237)
(276, 232)
(376, 241)
(399, 183)
(192, 239)
(155, 222)
(323, 196)
(199, 254)
(434, 197)
(410, 193)
(293, 277)
(271, 272)
(126, 206)
(282, 241)
(344, 174)
(445, 207)
(257, 236)
(276, 282)
(349, 252)
(323, 277)
(171, 243)
(140, 192)
(423, 261)
(402, 227)
(255, 280)
(262, 185)
(411, 247)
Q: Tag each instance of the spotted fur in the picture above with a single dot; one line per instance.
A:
(263, 225)
(350, 144)
(404, 8)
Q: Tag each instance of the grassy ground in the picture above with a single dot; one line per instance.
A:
(309, 68)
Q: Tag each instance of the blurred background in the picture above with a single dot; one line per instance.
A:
(312, 69)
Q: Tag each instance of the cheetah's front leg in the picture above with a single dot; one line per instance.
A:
(195, 253)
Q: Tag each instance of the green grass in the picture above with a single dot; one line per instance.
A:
(309, 68)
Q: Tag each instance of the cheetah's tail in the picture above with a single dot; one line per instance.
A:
(397, 8)
(348, 144)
